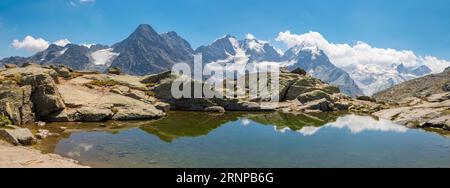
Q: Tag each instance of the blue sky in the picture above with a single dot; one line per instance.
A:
(422, 26)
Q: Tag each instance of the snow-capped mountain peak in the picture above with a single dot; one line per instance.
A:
(251, 43)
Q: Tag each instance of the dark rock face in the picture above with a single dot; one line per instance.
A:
(15, 103)
(228, 45)
(11, 101)
(13, 60)
(446, 87)
(147, 52)
(218, 50)
(265, 52)
(74, 56)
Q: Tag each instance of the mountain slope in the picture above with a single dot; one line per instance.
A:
(317, 63)
(78, 57)
(420, 87)
(147, 52)
(372, 78)
(228, 48)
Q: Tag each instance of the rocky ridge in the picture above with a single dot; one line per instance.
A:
(422, 102)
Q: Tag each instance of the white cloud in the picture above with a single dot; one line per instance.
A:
(86, 1)
(357, 124)
(75, 2)
(31, 44)
(34, 45)
(344, 55)
(88, 45)
(245, 121)
(62, 42)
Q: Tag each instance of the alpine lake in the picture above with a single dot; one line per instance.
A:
(260, 140)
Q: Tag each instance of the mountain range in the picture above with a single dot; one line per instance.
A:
(147, 52)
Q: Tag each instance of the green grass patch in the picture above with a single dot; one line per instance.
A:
(103, 83)
(4, 120)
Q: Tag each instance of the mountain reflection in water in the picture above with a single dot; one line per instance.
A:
(192, 139)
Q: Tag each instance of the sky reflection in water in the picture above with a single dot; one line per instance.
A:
(249, 140)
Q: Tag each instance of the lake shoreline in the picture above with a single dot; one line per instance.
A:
(26, 157)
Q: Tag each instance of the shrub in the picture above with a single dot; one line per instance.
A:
(151, 85)
(299, 71)
(114, 110)
(150, 93)
(103, 83)
(4, 120)
(11, 78)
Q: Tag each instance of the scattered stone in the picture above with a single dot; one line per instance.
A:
(42, 134)
(323, 105)
(439, 97)
(40, 123)
(342, 106)
(410, 101)
(165, 107)
(63, 128)
(16, 136)
(215, 109)
(366, 98)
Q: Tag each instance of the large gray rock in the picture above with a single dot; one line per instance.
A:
(215, 109)
(16, 135)
(137, 113)
(314, 95)
(446, 87)
(11, 101)
(165, 107)
(45, 96)
(63, 72)
(156, 78)
(301, 86)
(83, 114)
(422, 115)
(27, 113)
(163, 92)
(90, 114)
(323, 105)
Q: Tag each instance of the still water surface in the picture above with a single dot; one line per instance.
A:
(187, 139)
